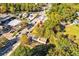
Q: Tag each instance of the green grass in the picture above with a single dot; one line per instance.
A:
(3, 41)
(21, 51)
(14, 34)
(73, 30)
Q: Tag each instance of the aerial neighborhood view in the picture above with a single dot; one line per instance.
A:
(39, 29)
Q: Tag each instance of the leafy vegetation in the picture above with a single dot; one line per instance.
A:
(14, 34)
(21, 51)
(64, 42)
(73, 33)
(3, 41)
(19, 7)
(64, 45)
(24, 39)
(40, 50)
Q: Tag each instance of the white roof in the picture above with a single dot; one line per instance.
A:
(31, 16)
(1, 27)
(14, 22)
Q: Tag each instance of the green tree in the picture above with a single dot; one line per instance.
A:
(3, 8)
(24, 39)
(12, 9)
(41, 50)
(21, 51)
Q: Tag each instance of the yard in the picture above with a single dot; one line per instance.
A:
(21, 51)
(3, 41)
(73, 32)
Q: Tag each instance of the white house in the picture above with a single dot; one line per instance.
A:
(24, 15)
(14, 22)
(31, 17)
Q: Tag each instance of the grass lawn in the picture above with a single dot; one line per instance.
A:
(73, 30)
(14, 34)
(21, 51)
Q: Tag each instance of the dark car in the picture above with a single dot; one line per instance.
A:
(1, 33)
(27, 33)
(30, 26)
(6, 29)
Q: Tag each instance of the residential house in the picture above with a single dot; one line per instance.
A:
(24, 15)
(15, 24)
(32, 16)
(4, 21)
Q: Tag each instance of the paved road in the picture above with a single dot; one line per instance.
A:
(8, 46)
(17, 44)
(14, 48)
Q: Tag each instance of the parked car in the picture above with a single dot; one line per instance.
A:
(1, 33)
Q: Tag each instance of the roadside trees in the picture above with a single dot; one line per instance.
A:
(24, 23)
(12, 9)
(24, 39)
(3, 41)
(41, 50)
(3, 8)
(21, 51)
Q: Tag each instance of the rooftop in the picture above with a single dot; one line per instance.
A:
(14, 22)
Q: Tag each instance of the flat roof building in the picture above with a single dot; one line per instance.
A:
(14, 22)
